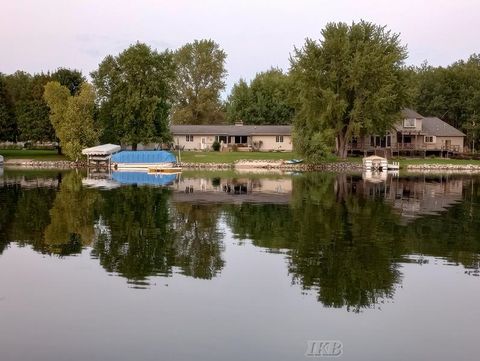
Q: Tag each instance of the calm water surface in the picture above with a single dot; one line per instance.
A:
(229, 266)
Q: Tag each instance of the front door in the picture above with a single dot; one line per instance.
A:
(203, 143)
(448, 144)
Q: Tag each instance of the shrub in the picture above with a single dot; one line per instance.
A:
(216, 146)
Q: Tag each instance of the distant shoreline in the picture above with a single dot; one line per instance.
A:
(264, 165)
(239, 165)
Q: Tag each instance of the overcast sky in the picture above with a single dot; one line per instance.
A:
(41, 35)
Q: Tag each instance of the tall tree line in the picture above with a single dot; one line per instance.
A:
(451, 93)
(352, 81)
(23, 111)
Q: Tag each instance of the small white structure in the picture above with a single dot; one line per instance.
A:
(1, 159)
(394, 166)
(101, 154)
(375, 163)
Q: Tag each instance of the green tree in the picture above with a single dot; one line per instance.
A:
(352, 81)
(8, 124)
(451, 93)
(72, 117)
(264, 101)
(31, 111)
(135, 90)
(200, 79)
(70, 78)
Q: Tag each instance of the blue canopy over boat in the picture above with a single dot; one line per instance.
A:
(142, 178)
(144, 157)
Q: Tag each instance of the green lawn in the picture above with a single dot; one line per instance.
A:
(231, 157)
(31, 154)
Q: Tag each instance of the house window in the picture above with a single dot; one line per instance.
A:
(189, 138)
(410, 123)
(429, 139)
(221, 138)
(279, 139)
(241, 139)
(382, 142)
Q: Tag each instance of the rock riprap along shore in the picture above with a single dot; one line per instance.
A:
(448, 167)
(54, 164)
(240, 164)
(275, 164)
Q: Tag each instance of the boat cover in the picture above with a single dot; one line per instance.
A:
(143, 178)
(144, 157)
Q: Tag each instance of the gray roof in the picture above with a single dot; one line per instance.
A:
(410, 114)
(232, 129)
(439, 128)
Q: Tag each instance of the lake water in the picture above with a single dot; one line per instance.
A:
(228, 266)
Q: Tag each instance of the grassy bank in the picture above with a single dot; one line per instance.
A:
(231, 157)
(33, 154)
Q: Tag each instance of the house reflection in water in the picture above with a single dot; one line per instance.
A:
(233, 190)
(415, 196)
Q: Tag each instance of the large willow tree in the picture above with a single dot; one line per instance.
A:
(348, 83)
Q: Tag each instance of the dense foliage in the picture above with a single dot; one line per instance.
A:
(264, 101)
(72, 117)
(349, 82)
(135, 93)
(8, 127)
(451, 93)
(200, 79)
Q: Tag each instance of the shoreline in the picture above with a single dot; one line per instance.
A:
(239, 165)
(255, 165)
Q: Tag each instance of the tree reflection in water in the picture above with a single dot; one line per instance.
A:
(339, 244)
(344, 239)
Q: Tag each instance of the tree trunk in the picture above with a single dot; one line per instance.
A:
(342, 146)
(59, 150)
(341, 187)
(134, 146)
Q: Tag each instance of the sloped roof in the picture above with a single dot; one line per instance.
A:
(411, 114)
(232, 129)
(374, 157)
(104, 149)
(439, 128)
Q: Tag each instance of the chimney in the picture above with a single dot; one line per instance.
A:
(238, 123)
